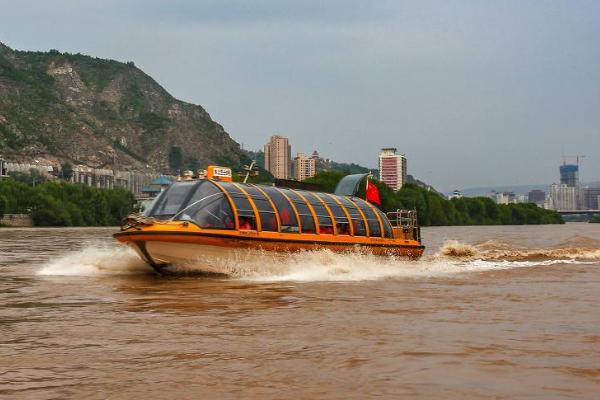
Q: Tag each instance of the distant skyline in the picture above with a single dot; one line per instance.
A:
(475, 93)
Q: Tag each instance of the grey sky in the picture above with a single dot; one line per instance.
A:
(476, 93)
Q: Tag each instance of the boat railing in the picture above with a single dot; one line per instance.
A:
(406, 220)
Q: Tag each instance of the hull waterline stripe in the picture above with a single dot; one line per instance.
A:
(271, 240)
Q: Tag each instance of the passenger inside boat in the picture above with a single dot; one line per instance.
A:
(247, 224)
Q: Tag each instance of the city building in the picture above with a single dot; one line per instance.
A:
(456, 194)
(156, 186)
(315, 156)
(564, 197)
(569, 175)
(503, 197)
(304, 167)
(591, 198)
(568, 195)
(522, 198)
(392, 168)
(536, 196)
(278, 157)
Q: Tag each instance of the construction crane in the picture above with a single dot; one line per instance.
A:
(577, 157)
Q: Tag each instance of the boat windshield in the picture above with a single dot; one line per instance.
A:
(171, 200)
(212, 211)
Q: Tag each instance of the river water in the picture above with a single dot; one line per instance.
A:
(489, 312)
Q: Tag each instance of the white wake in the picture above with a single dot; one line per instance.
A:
(97, 260)
(451, 259)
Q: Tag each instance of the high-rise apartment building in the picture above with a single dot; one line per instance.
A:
(563, 197)
(278, 157)
(569, 175)
(304, 167)
(568, 195)
(392, 168)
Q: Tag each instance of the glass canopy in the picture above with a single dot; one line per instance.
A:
(231, 205)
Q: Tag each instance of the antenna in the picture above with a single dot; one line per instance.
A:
(251, 170)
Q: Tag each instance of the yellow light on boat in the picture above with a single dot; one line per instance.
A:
(219, 173)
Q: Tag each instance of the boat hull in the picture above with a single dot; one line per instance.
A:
(210, 251)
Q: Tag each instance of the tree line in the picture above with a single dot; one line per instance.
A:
(58, 203)
(433, 209)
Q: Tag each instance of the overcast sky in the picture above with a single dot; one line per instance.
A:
(475, 93)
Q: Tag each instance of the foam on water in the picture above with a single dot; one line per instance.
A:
(323, 265)
(97, 260)
(327, 266)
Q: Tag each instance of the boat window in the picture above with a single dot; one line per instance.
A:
(202, 190)
(212, 211)
(341, 220)
(306, 217)
(289, 222)
(268, 218)
(357, 220)
(171, 200)
(325, 223)
(148, 205)
(246, 217)
(372, 221)
(387, 227)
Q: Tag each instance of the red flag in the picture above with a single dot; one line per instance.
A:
(373, 194)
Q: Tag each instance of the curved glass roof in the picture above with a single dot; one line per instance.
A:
(243, 206)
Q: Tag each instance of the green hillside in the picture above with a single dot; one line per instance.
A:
(59, 107)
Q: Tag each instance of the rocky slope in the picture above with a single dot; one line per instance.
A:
(61, 107)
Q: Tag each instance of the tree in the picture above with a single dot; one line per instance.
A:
(3, 205)
(176, 158)
(327, 180)
(31, 178)
(192, 163)
(66, 171)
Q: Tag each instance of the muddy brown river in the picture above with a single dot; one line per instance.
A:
(488, 313)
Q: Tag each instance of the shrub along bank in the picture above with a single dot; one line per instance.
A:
(59, 203)
(435, 210)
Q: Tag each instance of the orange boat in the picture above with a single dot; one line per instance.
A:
(205, 221)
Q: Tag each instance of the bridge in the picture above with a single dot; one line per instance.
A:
(575, 212)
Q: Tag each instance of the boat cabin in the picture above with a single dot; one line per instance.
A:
(222, 204)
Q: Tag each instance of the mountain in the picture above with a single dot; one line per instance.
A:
(59, 107)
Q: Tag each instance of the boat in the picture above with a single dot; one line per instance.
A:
(206, 221)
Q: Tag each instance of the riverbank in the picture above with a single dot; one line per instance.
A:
(58, 203)
(16, 221)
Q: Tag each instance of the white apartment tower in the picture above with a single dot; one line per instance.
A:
(392, 168)
(278, 157)
(563, 197)
(304, 167)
